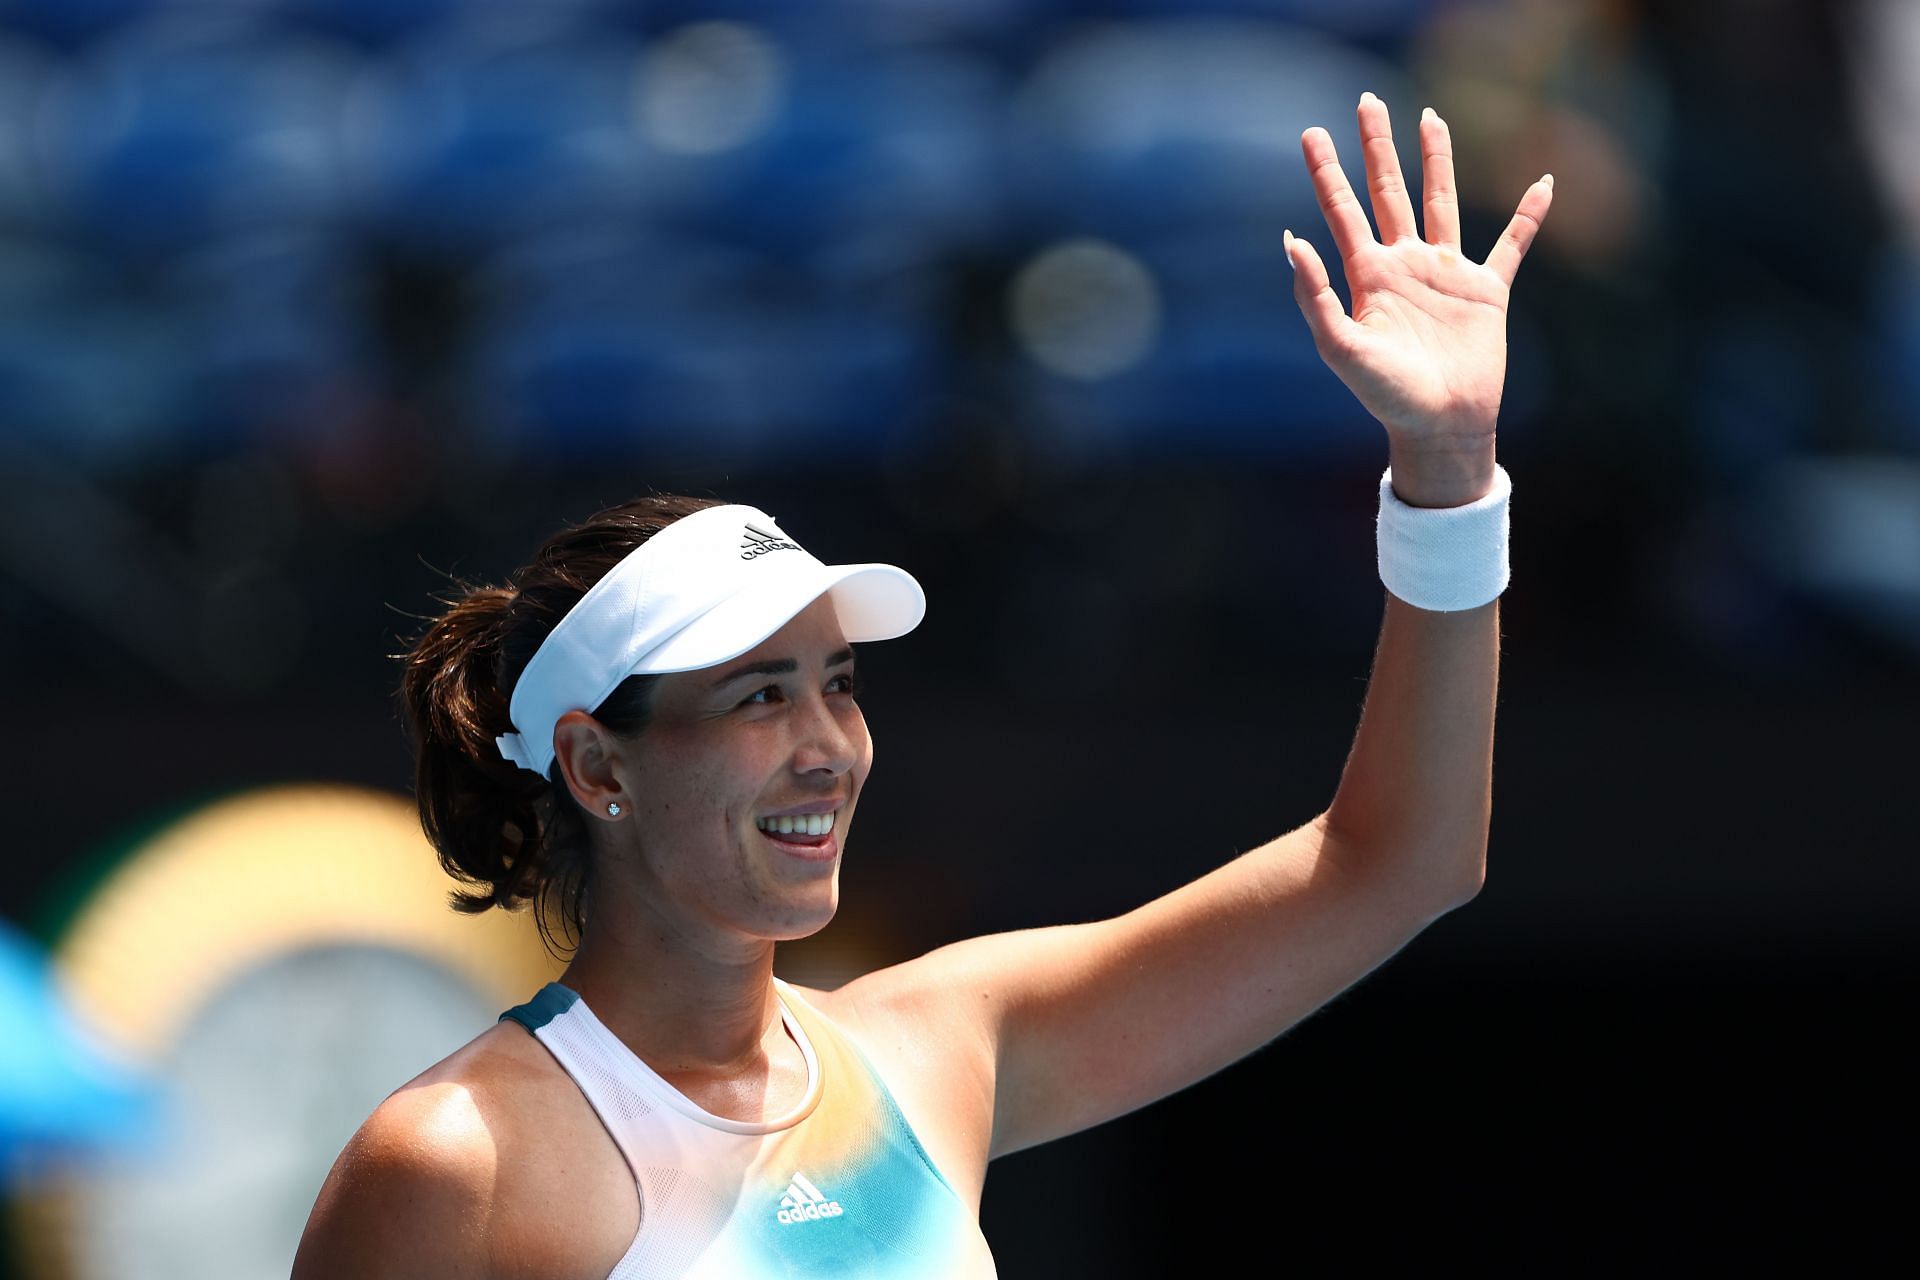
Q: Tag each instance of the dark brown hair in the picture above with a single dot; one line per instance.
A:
(516, 836)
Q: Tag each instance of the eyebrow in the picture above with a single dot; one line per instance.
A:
(780, 667)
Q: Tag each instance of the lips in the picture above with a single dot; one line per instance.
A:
(821, 848)
(807, 832)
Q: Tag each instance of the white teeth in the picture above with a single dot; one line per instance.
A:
(806, 824)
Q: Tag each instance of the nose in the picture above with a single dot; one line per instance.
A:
(829, 742)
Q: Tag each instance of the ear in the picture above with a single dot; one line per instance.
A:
(587, 753)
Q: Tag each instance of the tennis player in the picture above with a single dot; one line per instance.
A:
(654, 729)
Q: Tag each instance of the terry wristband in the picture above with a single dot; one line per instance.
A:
(1445, 559)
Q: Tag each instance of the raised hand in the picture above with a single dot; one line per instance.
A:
(1425, 349)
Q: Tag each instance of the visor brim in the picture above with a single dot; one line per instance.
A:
(871, 601)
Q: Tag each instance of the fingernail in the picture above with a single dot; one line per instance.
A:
(1428, 114)
(1366, 95)
(1549, 181)
(1286, 240)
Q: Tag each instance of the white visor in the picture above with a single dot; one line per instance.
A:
(702, 591)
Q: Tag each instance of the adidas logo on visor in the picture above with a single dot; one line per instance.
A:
(760, 541)
(805, 1202)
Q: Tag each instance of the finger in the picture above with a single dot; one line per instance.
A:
(1392, 207)
(1441, 201)
(1345, 218)
(1313, 290)
(1513, 242)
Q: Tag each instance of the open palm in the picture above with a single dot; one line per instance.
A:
(1425, 349)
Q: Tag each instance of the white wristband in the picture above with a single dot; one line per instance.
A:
(1445, 559)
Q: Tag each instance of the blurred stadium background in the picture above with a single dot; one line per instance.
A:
(306, 305)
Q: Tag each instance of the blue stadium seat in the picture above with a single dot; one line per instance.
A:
(1371, 20)
(249, 339)
(1142, 128)
(192, 126)
(852, 22)
(273, 341)
(72, 23)
(1231, 371)
(486, 131)
(791, 145)
(1178, 142)
(1895, 306)
(380, 22)
(28, 72)
(598, 341)
(85, 370)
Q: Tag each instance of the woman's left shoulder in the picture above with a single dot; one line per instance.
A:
(900, 1003)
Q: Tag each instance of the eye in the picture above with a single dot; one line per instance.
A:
(762, 697)
(844, 683)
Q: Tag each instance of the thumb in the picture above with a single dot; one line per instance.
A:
(1313, 290)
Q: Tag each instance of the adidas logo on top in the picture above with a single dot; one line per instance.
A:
(760, 541)
(805, 1202)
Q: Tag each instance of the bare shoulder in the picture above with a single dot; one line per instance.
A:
(899, 1003)
(490, 1163)
(411, 1194)
(943, 998)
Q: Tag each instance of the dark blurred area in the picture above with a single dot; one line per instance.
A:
(309, 308)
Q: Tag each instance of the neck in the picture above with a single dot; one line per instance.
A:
(691, 1004)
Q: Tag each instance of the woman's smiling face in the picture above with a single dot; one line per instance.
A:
(731, 755)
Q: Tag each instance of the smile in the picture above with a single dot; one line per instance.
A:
(799, 824)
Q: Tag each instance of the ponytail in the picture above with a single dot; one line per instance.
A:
(516, 837)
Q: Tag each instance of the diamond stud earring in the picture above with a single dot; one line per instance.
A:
(613, 808)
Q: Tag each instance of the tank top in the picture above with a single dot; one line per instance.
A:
(840, 1186)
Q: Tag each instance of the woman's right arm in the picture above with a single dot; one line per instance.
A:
(410, 1196)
